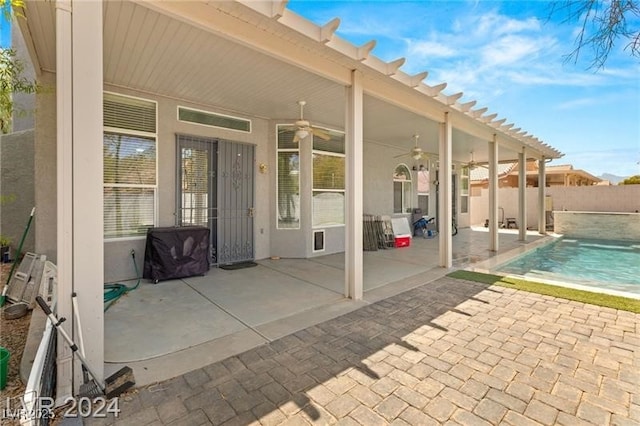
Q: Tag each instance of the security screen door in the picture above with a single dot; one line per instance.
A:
(216, 190)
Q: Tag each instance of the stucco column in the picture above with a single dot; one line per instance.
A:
(445, 194)
(493, 195)
(542, 183)
(80, 180)
(354, 188)
(522, 195)
(65, 192)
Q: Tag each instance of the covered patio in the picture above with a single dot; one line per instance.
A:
(244, 65)
(166, 329)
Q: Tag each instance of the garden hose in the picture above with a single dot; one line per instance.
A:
(114, 291)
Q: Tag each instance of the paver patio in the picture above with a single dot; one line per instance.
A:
(448, 352)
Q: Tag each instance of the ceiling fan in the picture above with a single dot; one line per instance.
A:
(303, 128)
(472, 164)
(416, 152)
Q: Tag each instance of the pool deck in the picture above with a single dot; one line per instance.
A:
(447, 352)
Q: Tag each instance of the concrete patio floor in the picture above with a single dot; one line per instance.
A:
(447, 352)
(166, 329)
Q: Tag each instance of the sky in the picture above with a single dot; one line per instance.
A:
(509, 56)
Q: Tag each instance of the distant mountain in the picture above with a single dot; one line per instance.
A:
(612, 178)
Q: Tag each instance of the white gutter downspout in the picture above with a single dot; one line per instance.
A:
(354, 188)
(542, 183)
(522, 195)
(444, 177)
(493, 195)
(79, 81)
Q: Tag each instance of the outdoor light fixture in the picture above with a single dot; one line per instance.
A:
(302, 133)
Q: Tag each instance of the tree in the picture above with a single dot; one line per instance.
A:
(602, 23)
(633, 180)
(11, 68)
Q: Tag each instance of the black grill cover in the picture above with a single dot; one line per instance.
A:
(176, 252)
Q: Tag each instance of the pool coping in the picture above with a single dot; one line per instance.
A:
(491, 265)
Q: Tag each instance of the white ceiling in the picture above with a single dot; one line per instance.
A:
(151, 52)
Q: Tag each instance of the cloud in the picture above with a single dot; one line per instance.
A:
(512, 49)
(576, 103)
(429, 49)
(493, 24)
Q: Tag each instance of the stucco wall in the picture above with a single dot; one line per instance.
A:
(17, 188)
(118, 264)
(619, 198)
(45, 169)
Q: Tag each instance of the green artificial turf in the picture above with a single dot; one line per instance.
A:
(599, 299)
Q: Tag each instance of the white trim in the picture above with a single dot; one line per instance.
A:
(328, 226)
(333, 154)
(119, 240)
(213, 113)
(130, 132)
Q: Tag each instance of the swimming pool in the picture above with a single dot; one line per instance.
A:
(603, 264)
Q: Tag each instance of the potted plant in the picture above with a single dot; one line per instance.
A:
(4, 248)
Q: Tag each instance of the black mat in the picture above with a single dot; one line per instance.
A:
(240, 265)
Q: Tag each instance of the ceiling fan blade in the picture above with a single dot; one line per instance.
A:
(296, 138)
(320, 133)
(283, 129)
(401, 155)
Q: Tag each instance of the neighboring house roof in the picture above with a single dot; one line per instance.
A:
(563, 169)
(482, 173)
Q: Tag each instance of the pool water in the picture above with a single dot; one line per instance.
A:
(605, 264)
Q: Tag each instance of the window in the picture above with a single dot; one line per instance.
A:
(288, 172)
(464, 190)
(214, 120)
(401, 189)
(424, 185)
(328, 180)
(130, 166)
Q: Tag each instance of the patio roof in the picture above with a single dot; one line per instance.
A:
(259, 58)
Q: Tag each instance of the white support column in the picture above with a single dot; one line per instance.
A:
(354, 188)
(445, 194)
(493, 195)
(64, 134)
(522, 195)
(80, 177)
(542, 183)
